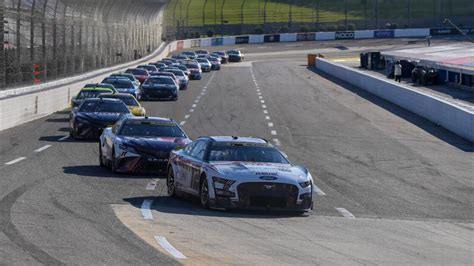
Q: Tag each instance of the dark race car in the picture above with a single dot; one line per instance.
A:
(159, 88)
(235, 56)
(139, 73)
(223, 55)
(196, 72)
(95, 114)
(140, 144)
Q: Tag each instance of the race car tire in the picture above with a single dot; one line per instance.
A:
(204, 193)
(101, 157)
(72, 133)
(170, 183)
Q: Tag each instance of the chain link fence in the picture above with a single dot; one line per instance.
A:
(187, 17)
(50, 39)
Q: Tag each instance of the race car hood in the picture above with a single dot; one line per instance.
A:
(249, 171)
(102, 118)
(152, 145)
(159, 86)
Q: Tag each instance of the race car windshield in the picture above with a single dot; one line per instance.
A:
(103, 107)
(137, 72)
(90, 94)
(151, 129)
(131, 78)
(119, 84)
(128, 101)
(192, 66)
(156, 81)
(234, 52)
(178, 73)
(246, 154)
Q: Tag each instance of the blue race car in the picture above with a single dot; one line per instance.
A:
(93, 115)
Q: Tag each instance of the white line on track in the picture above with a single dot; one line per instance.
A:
(15, 161)
(267, 117)
(146, 212)
(151, 185)
(270, 124)
(182, 123)
(258, 90)
(63, 138)
(194, 105)
(273, 132)
(169, 248)
(277, 142)
(318, 190)
(191, 110)
(43, 148)
(260, 97)
(345, 213)
(262, 101)
(259, 93)
(264, 106)
(265, 111)
(186, 116)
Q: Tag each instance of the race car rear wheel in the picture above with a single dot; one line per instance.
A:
(170, 183)
(204, 193)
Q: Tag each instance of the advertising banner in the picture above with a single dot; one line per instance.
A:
(271, 38)
(196, 43)
(180, 45)
(384, 34)
(217, 41)
(303, 37)
(242, 40)
(344, 35)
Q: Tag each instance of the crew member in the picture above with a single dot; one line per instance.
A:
(398, 71)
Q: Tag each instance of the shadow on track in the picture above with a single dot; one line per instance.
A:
(190, 206)
(428, 126)
(58, 120)
(102, 172)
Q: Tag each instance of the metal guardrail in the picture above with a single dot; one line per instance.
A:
(50, 39)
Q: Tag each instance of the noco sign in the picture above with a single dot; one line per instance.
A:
(344, 35)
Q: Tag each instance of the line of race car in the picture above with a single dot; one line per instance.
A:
(224, 172)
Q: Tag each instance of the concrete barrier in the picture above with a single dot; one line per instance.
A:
(30, 106)
(256, 39)
(364, 34)
(288, 37)
(456, 119)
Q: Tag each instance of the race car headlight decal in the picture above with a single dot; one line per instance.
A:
(222, 183)
(305, 184)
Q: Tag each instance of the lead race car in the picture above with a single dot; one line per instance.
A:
(140, 144)
(236, 172)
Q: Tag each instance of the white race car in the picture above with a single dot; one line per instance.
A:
(239, 172)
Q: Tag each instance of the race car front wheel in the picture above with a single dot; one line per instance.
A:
(170, 183)
(101, 157)
(204, 193)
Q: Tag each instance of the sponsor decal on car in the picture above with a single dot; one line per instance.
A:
(266, 173)
(268, 178)
(344, 35)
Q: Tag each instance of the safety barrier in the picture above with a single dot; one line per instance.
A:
(22, 105)
(454, 118)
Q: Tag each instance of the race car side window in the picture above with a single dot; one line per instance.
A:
(187, 150)
(199, 150)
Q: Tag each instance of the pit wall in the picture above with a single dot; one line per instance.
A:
(454, 118)
(21, 105)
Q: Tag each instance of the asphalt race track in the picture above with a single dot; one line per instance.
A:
(393, 188)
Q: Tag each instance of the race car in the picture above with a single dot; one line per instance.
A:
(140, 144)
(122, 85)
(239, 172)
(139, 73)
(129, 100)
(88, 92)
(159, 88)
(205, 64)
(195, 70)
(131, 77)
(235, 56)
(95, 114)
(223, 55)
